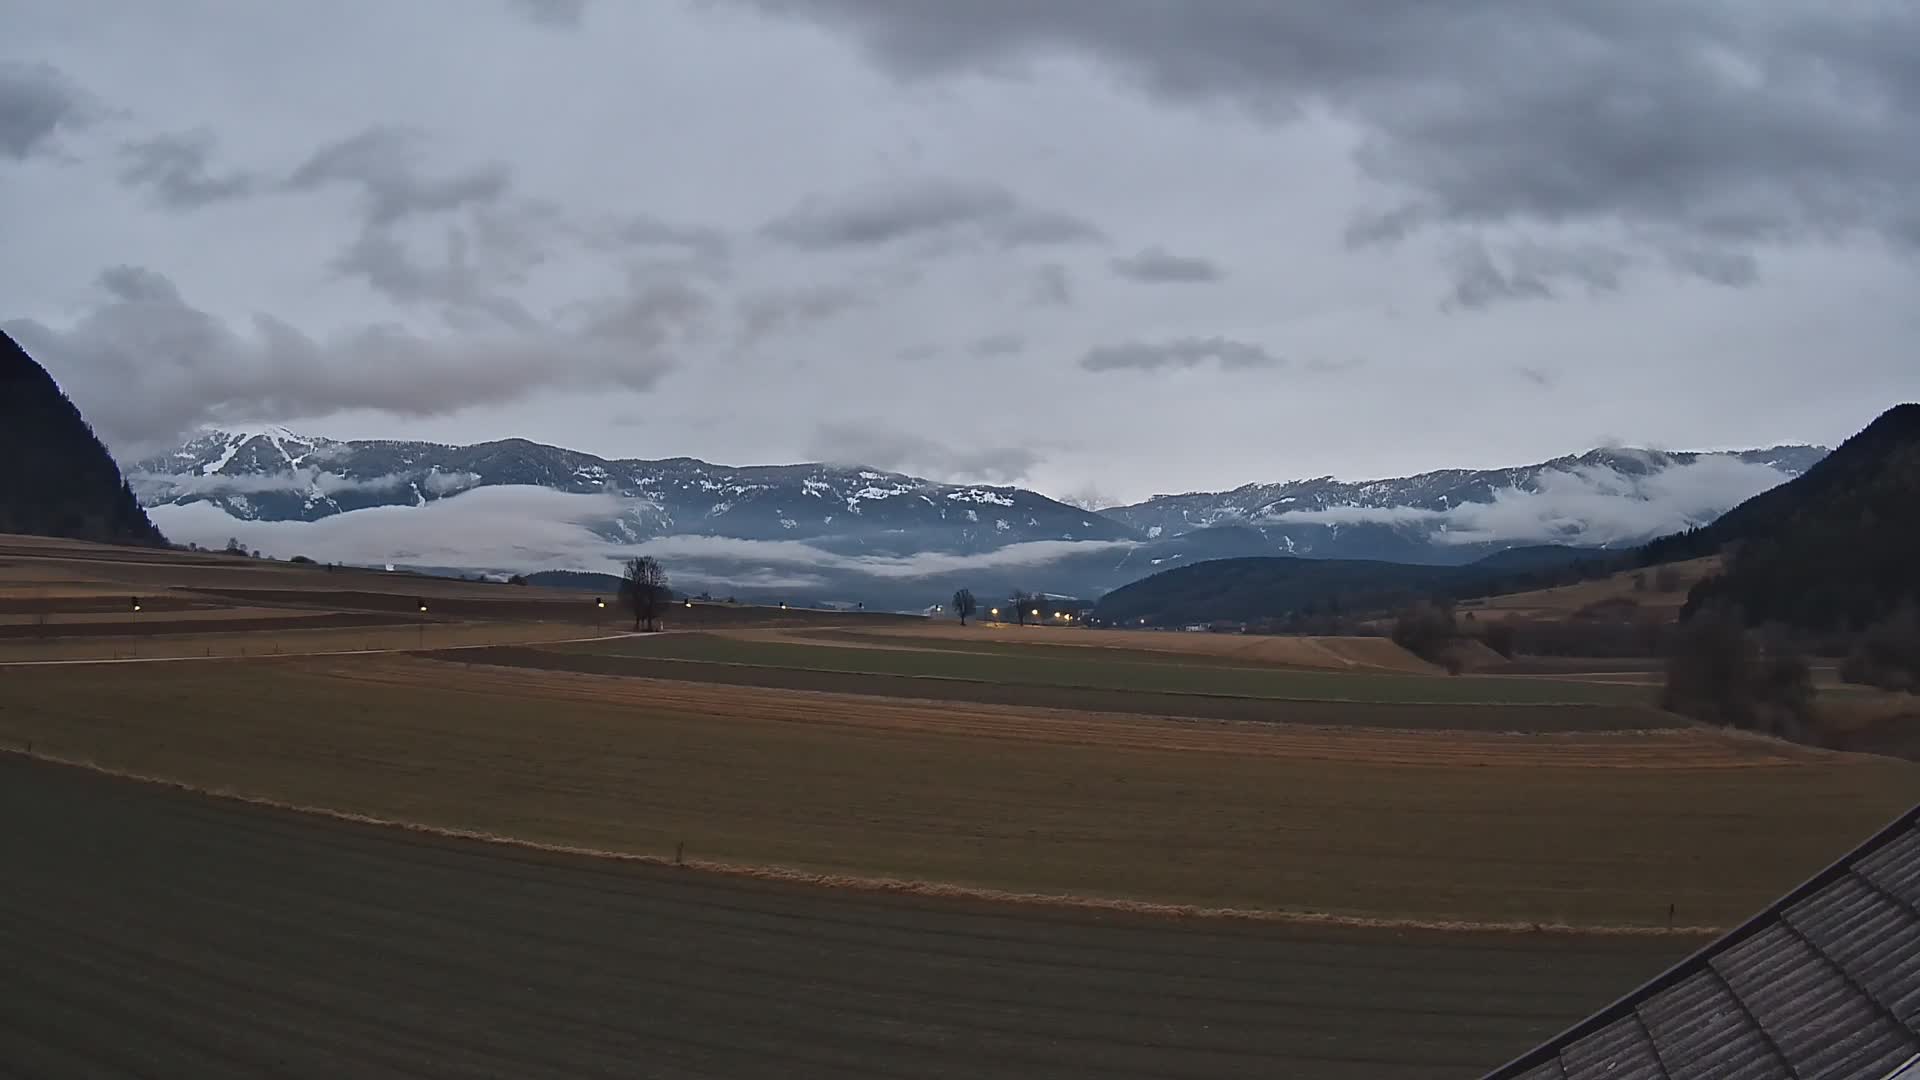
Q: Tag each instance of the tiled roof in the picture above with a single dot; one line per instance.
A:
(1824, 984)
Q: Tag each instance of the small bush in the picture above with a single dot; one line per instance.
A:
(1887, 655)
(1427, 630)
(1500, 638)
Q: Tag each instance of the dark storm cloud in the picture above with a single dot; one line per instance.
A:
(874, 444)
(1178, 353)
(881, 213)
(192, 368)
(1721, 123)
(1155, 266)
(36, 103)
(561, 13)
(174, 169)
(384, 164)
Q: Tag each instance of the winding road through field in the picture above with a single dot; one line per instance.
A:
(149, 931)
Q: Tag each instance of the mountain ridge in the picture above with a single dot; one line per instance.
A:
(62, 481)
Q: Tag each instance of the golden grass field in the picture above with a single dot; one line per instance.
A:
(1598, 830)
(1412, 820)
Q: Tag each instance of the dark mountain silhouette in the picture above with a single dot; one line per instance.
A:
(1837, 548)
(1277, 586)
(60, 479)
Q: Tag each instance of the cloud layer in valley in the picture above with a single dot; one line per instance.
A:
(1585, 506)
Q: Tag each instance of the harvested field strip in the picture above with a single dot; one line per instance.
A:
(1677, 748)
(1257, 649)
(842, 788)
(291, 637)
(1097, 673)
(1319, 654)
(1538, 718)
(197, 623)
(354, 950)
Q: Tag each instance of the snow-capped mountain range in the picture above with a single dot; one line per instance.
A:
(829, 532)
(1319, 517)
(273, 474)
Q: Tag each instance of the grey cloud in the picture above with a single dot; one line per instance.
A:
(770, 311)
(1178, 353)
(145, 365)
(998, 345)
(560, 13)
(36, 103)
(640, 231)
(459, 283)
(1532, 271)
(875, 444)
(1052, 287)
(384, 164)
(1157, 266)
(1731, 268)
(1720, 123)
(173, 167)
(882, 213)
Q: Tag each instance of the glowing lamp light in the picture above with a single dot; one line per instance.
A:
(599, 603)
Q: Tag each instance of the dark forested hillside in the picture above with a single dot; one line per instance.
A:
(60, 480)
(1278, 587)
(1835, 549)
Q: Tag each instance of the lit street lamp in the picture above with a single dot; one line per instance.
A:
(423, 624)
(599, 611)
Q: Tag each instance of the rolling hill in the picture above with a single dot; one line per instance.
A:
(1835, 549)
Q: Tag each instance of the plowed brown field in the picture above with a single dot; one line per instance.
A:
(1440, 827)
(150, 932)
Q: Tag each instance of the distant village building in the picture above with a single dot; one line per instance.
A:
(1823, 984)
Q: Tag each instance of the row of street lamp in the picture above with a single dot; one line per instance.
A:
(1035, 613)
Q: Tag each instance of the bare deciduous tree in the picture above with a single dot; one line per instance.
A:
(644, 589)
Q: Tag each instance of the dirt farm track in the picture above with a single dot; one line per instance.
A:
(168, 933)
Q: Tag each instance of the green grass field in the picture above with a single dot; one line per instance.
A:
(1096, 669)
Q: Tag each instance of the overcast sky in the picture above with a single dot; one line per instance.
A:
(1098, 247)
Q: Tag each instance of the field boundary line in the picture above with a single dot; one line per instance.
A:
(297, 655)
(897, 886)
(1083, 686)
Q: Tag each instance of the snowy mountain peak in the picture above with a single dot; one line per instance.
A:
(272, 474)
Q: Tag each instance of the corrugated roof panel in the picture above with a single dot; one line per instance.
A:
(1618, 1052)
(1823, 985)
